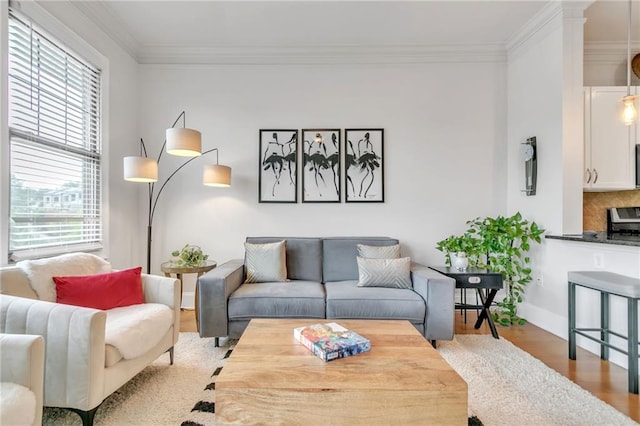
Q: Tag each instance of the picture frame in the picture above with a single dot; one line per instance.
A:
(278, 166)
(364, 165)
(321, 156)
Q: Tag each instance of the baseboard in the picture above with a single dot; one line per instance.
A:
(548, 321)
(188, 300)
(558, 325)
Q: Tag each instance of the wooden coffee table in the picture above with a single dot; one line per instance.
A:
(270, 378)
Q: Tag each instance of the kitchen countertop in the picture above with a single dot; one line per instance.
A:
(600, 237)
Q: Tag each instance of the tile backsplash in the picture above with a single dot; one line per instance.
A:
(595, 205)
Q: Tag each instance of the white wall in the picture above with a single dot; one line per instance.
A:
(535, 109)
(124, 247)
(545, 100)
(444, 149)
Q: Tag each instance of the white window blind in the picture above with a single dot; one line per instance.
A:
(55, 149)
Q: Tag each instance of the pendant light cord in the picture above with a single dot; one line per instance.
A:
(629, 52)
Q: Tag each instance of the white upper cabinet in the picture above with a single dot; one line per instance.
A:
(609, 145)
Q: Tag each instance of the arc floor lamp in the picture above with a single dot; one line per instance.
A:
(182, 142)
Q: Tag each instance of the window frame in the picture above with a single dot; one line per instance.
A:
(69, 40)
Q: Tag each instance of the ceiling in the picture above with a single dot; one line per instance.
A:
(607, 21)
(150, 29)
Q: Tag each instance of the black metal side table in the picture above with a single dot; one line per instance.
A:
(486, 283)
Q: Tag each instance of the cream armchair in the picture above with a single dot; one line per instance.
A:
(81, 368)
(21, 379)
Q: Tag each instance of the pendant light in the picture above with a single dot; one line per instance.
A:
(629, 113)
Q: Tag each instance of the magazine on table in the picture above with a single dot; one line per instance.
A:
(331, 341)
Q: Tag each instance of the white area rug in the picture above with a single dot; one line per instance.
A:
(161, 394)
(507, 386)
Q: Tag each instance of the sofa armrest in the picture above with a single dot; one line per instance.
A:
(22, 363)
(214, 289)
(166, 291)
(438, 291)
(162, 290)
(74, 347)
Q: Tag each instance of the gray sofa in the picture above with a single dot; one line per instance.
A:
(323, 274)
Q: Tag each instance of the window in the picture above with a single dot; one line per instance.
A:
(55, 147)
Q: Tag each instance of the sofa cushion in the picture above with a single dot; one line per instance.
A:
(346, 300)
(394, 273)
(304, 256)
(135, 329)
(339, 256)
(101, 291)
(294, 299)
(379, 252)
(265, 262)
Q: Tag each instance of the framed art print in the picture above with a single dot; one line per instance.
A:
(321, 165)
(278, 173)
(364, 165)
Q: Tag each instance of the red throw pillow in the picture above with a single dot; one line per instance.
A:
(101, 291)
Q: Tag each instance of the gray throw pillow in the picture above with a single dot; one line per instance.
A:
(265, 262)
(379, 252)
(394, 273)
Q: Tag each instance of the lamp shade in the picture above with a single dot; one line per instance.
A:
(140, 169)
(184, 142)
(216, 175)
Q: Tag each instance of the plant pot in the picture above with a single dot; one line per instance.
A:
(459, 260)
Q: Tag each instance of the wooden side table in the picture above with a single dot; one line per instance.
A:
(482, 280)
(169, 269)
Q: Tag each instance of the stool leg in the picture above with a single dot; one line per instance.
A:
(633, 344)
(604, 324)
(572, 320)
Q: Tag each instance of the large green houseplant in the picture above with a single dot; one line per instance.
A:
(501, 245)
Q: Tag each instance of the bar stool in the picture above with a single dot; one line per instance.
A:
(607, 283)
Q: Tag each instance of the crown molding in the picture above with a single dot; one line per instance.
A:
(610, 53)
(102, 16)
(248, 55)
(548, 19)
(537, 27)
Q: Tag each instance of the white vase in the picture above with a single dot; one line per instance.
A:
(459, 261)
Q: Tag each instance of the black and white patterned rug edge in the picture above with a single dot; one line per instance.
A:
(205, 408)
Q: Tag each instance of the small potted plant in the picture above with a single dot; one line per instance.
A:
(189, 255)
(464, 246)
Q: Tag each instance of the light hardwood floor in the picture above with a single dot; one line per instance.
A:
(605, 380)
